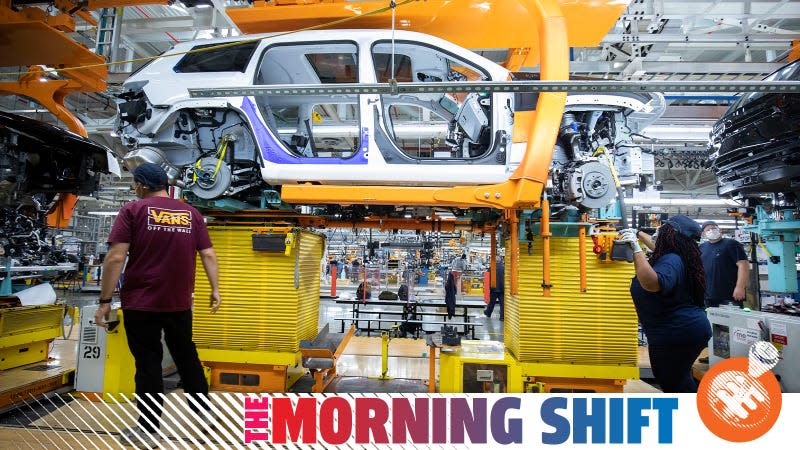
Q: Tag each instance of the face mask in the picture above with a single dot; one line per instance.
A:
(713, 235)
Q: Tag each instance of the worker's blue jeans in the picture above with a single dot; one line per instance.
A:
(143, 329)
(672, 365)
(494, 298)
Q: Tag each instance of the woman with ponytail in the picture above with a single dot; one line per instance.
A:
(668, 292)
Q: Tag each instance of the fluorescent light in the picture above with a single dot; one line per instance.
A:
(679, 202)
(103, 213)
(720, 221)
(677, 133)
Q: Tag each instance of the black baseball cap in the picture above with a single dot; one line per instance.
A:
(151, 175)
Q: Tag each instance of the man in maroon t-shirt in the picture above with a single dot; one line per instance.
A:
(160, 237)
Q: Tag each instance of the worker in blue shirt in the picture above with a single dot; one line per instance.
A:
(726, 266)
(668, 292)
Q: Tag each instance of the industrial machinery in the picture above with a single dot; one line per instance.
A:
(594, 151)
(570, 326)
(778, 233)
(269, 278)
(453, 150)
(26, 333)
(734, 330)
(37, 162)
(42, 170)
(104, 363)
(444, 148)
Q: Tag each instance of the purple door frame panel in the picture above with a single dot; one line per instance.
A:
(273, 151)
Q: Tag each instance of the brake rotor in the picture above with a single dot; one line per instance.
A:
(209, 181)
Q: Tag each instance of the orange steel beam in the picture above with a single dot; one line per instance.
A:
(29, 37)
(49, 93)
(432, 367)
(493, 260)
(520, 193)
(59, 214)
(538, 155)
(99, 4)
(276, 217)
(794, 52)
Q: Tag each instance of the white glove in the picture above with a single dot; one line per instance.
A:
(629, 237)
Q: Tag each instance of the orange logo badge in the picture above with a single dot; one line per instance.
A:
(739, 399)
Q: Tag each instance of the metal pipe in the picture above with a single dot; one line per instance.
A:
(545, 246)
(432, 369)
(493, 260)
(384, 356)
(582, 252)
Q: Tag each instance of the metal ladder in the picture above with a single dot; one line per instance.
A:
(108, 31)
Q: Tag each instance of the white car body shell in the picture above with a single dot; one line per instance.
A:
(168, 92)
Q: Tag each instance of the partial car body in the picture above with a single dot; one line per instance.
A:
(236, 147)
(37, 161)
(755, 146)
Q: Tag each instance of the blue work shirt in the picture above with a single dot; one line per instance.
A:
(668, 316)
(719, 263)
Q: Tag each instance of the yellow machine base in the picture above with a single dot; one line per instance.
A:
(485, 367)
(233, 377)
(559, 385)
(20, 355)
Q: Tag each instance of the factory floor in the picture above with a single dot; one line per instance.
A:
(407, 358)
(66, 420)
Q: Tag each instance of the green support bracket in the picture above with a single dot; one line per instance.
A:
(6, 287)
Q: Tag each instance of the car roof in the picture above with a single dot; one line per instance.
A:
(354, 34)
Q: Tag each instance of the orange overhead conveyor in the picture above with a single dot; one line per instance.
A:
(476, 24)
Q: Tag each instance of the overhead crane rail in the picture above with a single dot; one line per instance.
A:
(574, 86)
